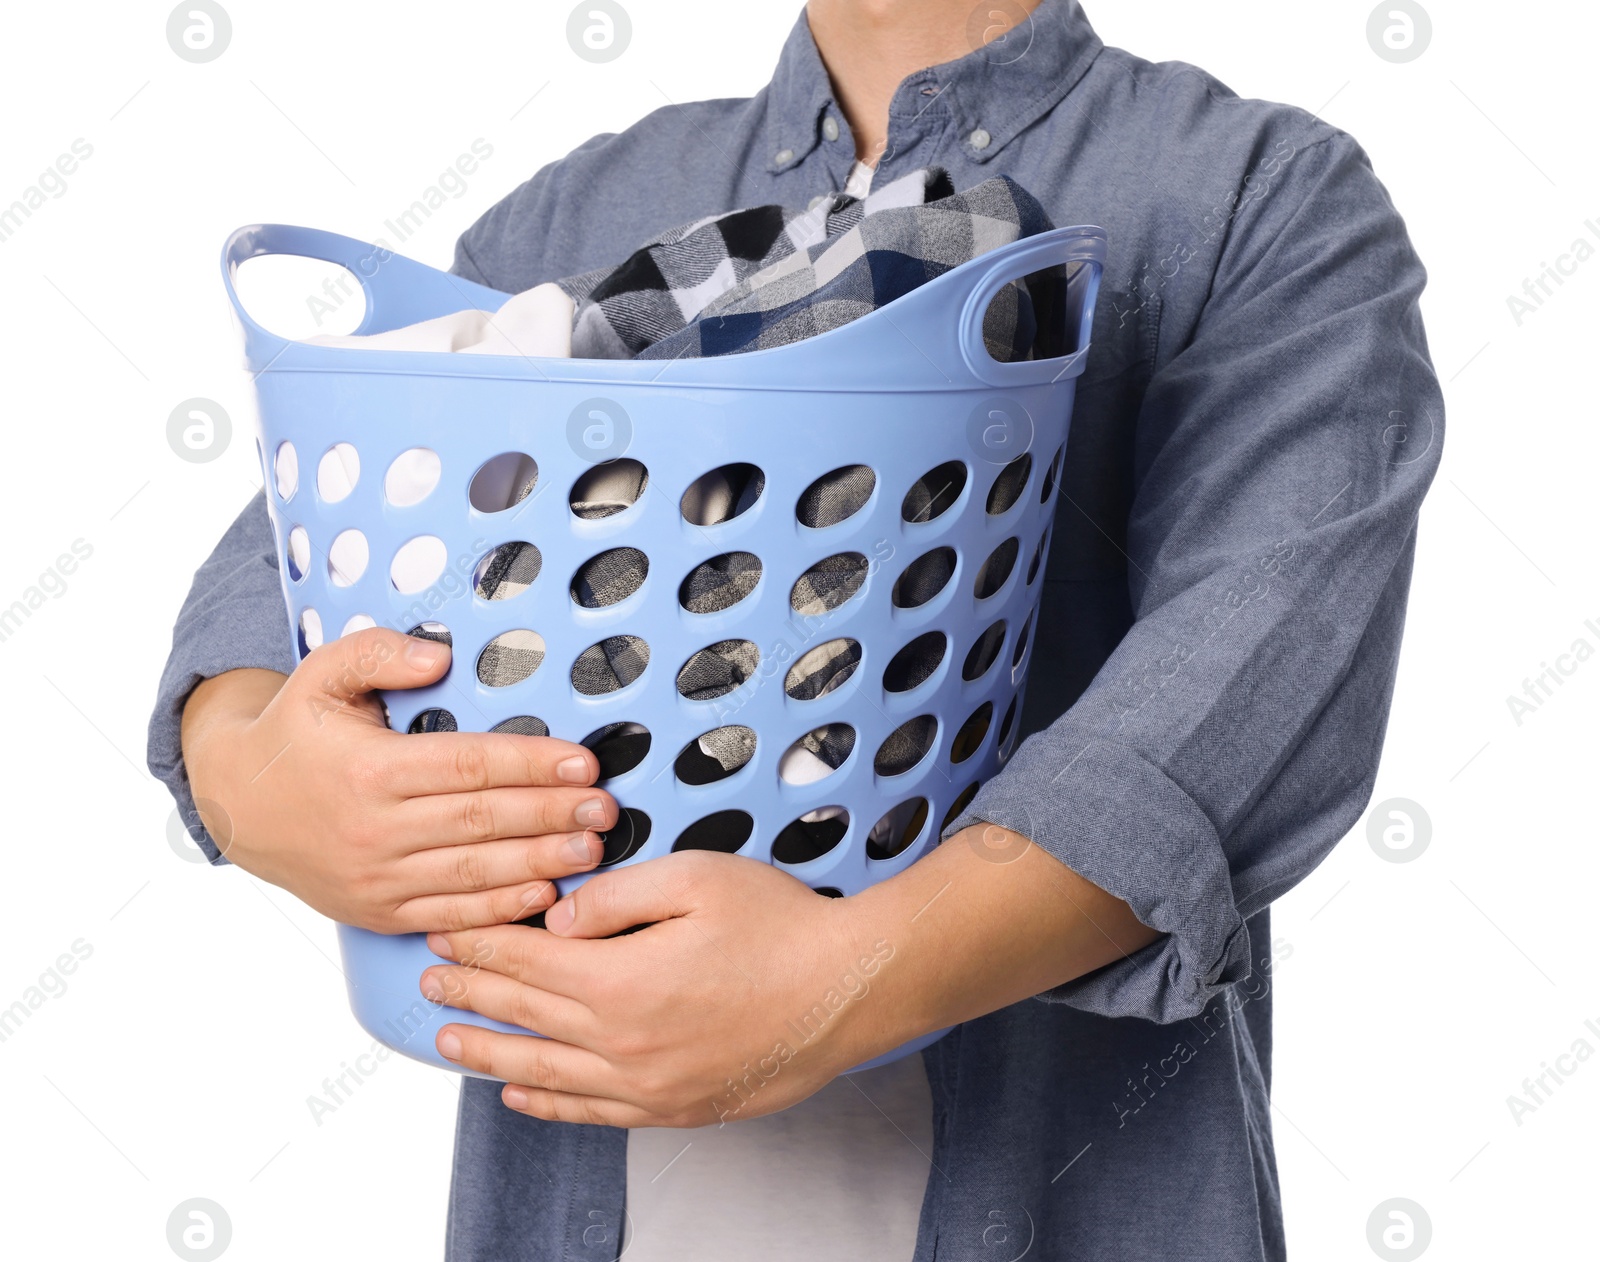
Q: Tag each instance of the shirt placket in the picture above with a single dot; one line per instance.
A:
(919, 117)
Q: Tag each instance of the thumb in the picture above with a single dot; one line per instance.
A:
(353, 665)
(611, 902)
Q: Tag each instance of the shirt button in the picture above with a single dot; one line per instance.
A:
(783, 157)
(830, 127)
(979, 139)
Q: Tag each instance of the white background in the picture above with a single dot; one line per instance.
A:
(1417, 996)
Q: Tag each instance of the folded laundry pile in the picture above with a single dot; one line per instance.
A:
(747, 280)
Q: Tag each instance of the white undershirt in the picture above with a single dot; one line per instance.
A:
(839, 1176)
(859, 182)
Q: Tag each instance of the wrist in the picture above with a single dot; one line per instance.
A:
(878, 1003)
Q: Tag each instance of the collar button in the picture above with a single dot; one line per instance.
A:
(979, 139)
(783, 157)
(830, 127)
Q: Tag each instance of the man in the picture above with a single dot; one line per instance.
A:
(1217, 643)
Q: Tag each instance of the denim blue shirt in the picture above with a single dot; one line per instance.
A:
(1221, 615)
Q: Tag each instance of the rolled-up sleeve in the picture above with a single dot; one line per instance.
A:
(1281, 457)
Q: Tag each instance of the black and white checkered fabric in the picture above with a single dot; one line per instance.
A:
(768, 275)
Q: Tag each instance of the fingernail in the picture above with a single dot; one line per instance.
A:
(449, 1045)
(560, 917)
(529, 898)
(438, 945)
(592, 812)
(514, 1098)
(425, 654)
(431, 990)
(585, 848)
(574, 770)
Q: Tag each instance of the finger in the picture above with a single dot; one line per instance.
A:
(466, 762)
(535, 1062)
(472, 913)
(617, 900)
(494, 995)
(518, 860)
(556, 1106)
(451, 819)
(532, 956)
(354, 665)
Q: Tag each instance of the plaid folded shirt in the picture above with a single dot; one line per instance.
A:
(751, 280)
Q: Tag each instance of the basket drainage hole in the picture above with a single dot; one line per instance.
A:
(715, 755)
(412, 477)
(961, 803)
(1018, 653)
(522, 725)
(338, 472)
(811, 836)
(610, 665)
(310, 630)
(995, 570)
(1052, 473)
(924, 578)
(433, 721)
(720, 583)
(358, 622)
(418, 564)
(609, 578)
(608, 489)
(506, 571)
(503, 481)
(935, 492)
(1038, 555)
(822, 669)
(618, 747)
(906, 746)
(431, 631)
(347, 558)
(718, 669)
(625, 838)
(297, 555)
(726, 831)
(817, 754)
(286, 470)
(982, 654)
(915, 663)
(828, 584)
(898, 828)
(1006, 723)
(970, 736)
(1009, 485)
(836, 496)
(510, 657)
(722, 494)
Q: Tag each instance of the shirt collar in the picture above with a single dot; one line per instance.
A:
(991, 94)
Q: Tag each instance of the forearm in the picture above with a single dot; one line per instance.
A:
(218, 706)
(985, 920)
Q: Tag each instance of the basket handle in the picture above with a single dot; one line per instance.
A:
(1084, 245)
(398, 290)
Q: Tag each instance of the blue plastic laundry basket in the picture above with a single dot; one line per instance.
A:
(904, 391)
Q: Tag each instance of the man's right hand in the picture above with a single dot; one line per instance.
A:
(388, 831)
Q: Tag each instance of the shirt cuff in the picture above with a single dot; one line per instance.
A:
(1118, 821)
